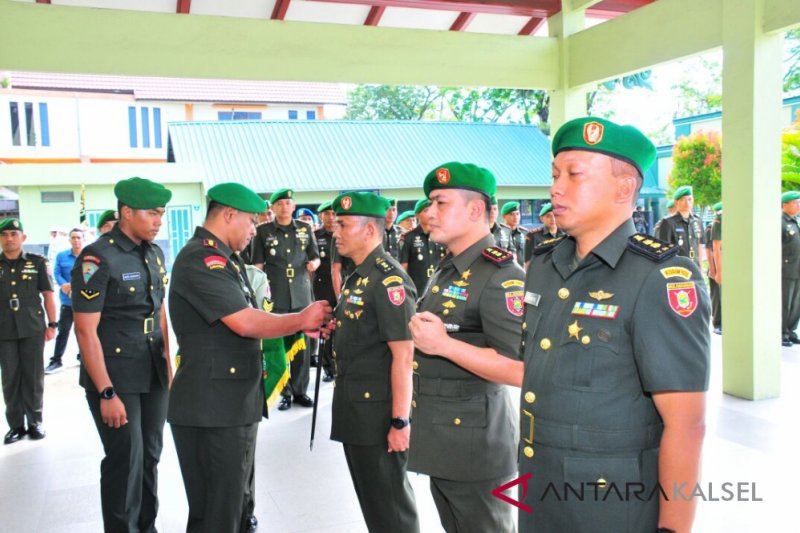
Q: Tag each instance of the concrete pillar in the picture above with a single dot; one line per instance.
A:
(566, 103)
(751, 284)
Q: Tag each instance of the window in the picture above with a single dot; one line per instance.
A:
(133, 129)
(238, 115)
(53, 197)
(45, 122)
(157, 126)
(292, 114)
(311, 115)
(33, 115)
(29, 124)
(132, 133)
(14, 109)
(145, 128)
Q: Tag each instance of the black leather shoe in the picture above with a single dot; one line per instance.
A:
(794, 338)
(13, 435)
(304, 400)
(718, 331)
(286, 403)
(314, 361)
(787, 343)
(251, 524)
(327, 377)
(36, 432)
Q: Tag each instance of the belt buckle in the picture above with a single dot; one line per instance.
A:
(13, 303)
(289, 272)
(430, 271)
(529, 438)
(149, 325)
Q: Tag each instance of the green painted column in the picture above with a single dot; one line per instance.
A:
(566, 102)
(751, 284)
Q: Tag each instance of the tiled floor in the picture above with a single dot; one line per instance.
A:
(52, 485)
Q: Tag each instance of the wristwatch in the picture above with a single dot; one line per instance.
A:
(107, 393)
(665, 530)
(400, 423)
(52, 324)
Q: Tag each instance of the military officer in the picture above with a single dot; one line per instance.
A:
(341, 267)
(373, 354)
(671, 210)
(714, 255)
(323, 281)
(511, 215)
(391, 238)
(287, 251)
(464, 434)
(538, 236)
(500, 232)
(419, 255)
(24, 283)
(790, 267)
(406, 221)
(118, 284)
(217, 397)
(684, 228)
(106, 221)
(616, 352)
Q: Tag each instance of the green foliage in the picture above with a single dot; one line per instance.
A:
(700, 87)
(791, 62)
(790, 156)
(392, 102)
(697, 161)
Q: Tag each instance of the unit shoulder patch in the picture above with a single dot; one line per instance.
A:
(497, 256)
(547, 245)
(650, 247)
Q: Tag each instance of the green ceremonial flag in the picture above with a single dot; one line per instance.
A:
(277, 354)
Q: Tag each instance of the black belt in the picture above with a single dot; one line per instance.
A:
(453, 387)
(578, 437)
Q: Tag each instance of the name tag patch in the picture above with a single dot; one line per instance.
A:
(131, 276)
(531, 298)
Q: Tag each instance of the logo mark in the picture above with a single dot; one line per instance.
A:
(443, 176)
(593, 132)
(523, 481)
(346, 202)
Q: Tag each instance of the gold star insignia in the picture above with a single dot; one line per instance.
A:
(574, 330)
(601, 295)
(465, 276)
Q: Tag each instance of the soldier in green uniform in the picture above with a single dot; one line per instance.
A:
(547, 232)
(217, 397)
(790, 267)
(373, 353)
(118, 285)
(671, 210)
(391, 237)
(24, 283)
(323, 281)
(714, 255)
(419, 255)
(106, 221)
(511, 215)
(287, 251)
(406, 221)
(616, 353)
(464, 434)
(500, 232)
(684, 229)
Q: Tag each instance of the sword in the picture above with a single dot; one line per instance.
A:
(316, 394)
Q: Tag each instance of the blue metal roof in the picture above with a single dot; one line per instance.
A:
(352, 155)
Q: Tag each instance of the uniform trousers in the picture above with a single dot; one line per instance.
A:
(470, 507)
(384, 493)
(22, 365)
(791, 305)
(216, 464)
(129, 470)
(716, 303)
(64, 328)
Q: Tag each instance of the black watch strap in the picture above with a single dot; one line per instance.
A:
(665, 530)
(400, 423)
(52, 324)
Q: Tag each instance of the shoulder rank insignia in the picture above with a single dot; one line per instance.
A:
(650, 247)
(210, 243)
(547, 245)
(496, 255)
(383, 265)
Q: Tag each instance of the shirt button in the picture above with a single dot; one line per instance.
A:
(601, 483)
(13, 270)
(414, 403)
(524, 325)
(563, 293)
(110, 241)
(415, 365)
(338, 323)
(545, 344)
(146, 262)
(457, 421)
(530, 397)
(118, 350)
(528, 451)
(366, 395)
(132, 289)
(13, 282)
(232, 370)
(288, 251)
(347, 292)
(585, 339)
(435, 289)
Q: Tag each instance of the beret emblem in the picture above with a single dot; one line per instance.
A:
(592, 132)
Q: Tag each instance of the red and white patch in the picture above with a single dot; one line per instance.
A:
(443, 176)
(214, 262)
(397, 295)
(682, 298)
(515, 302)
(593, 132)
(346, 203)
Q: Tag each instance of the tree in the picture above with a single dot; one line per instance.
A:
(790, 156)
(496, 105)
(700, 88)
(697, 161)
(392, 102)
(791, 62)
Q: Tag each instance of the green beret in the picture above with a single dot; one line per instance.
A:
(595, 134)
(404, 215)
(546, 208)
(680, 192)
(509, 207)
(420, 205)
(717, 206)
(364, 204)
(457, 175)
(493, 199)
(237, 196)
(10, 224)
(392, 201)
(790, 196)
(281, 194)
(107, 216)
(141, 193)
(267, 204)
(325, 206)
(670, 204)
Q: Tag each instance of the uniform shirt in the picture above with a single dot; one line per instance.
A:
(391, 241)
(62, 271)
(790, 248)
(21, 283)
(323, 282)
(218, 378)
(464, 427)
(285, 251)
(125, 282)
(375, 306)
(686, 234)
(536, 237)
(599, 338)
(502, 235)
(518, 244)
(422, 256)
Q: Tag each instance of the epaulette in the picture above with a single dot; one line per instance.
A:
(497, 256)
(210, 243)
(383, 265)
(546, 246)
(650, 247)
(31, 255)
